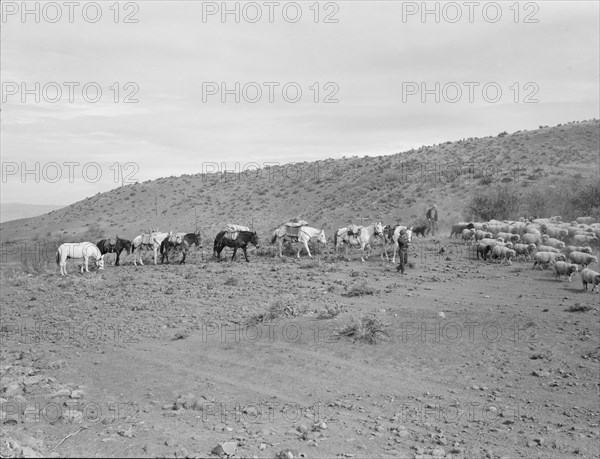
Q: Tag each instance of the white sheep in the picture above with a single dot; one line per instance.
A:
(584, 238)
(552, 242)
(517, 228)
(496, 228)
(509, 236)
(503, 253)
(577, 248)
(547, 248)
(582, 259)
(563, 268)
(524, 249)
(586, 220)
(589, 276)
(529, 238)
(468, 235)
(544, 258)
(459, 227)
(557, 233)
(533, 229)
(480, 234)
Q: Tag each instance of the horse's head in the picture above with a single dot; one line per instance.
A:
(198, 240)
(322, 238)
(100, 262)
(254, 240)
(409, 232)
(378, 229)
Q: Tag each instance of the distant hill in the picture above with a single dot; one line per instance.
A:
(330, 192)
(15, 211)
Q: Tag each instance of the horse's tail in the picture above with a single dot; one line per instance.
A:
(274, 237)
(335, 238)
(58, 257)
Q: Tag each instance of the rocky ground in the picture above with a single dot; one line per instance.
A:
(327, 357)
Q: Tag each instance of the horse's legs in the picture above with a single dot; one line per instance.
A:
(234, 252)
(307, 250)
(85, 263)
(183, 258)
(245, 254)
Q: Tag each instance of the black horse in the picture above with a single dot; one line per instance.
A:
(114, 246)
(184, 244)
(243, 238)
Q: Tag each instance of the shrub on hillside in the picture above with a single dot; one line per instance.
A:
(569, 199)
(499, 202)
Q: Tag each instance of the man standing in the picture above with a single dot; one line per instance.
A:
(432, 218)
(402, 250)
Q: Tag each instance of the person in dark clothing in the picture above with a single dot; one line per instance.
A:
(432, 218)
(402, 250)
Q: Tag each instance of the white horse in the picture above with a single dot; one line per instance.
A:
(78, 250)
(362, 240)
(397, 235)
(151, 241)
(388, 233)
(303, 236)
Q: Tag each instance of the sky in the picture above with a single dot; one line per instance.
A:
(97, 94)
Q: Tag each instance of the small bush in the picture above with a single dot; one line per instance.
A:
(282, 307)
(232, 281)
(369, 329)
(577, 307)
(360, 289)
(330, 311)
(500, 202)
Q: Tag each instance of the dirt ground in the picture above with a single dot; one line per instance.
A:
(480, 359)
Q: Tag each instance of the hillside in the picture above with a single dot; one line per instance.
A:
(16, 210)
(331, 192)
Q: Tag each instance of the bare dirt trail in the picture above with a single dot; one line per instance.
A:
(482, 360)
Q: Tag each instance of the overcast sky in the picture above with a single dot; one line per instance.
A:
(371, 61)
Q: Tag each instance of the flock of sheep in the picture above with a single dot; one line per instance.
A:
(544, 239)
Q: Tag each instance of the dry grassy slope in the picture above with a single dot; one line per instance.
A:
(341, 192)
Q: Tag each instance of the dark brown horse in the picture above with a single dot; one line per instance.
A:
(181, 242)
(114, 246)
(237, 240)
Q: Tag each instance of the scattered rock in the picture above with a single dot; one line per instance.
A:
(127, 433)
(226, 449)
(29, 452)
(13, 389)
(63, 393)
(77, 394)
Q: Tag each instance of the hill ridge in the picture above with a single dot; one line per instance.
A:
(330, 192)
